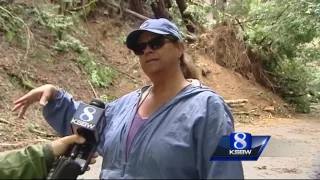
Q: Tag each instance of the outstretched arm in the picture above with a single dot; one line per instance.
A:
(59, 111)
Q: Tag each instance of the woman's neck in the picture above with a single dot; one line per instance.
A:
(168, 84)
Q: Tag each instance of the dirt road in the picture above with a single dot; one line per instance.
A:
(293, 151)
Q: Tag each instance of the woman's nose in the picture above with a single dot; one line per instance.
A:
(148, 50)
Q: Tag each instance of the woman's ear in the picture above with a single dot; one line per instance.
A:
(180, 48)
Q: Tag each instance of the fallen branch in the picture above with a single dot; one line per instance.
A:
(237, 105)
(5, 121)
(118, 70)
(19, 77)
(248, 113)
(245, 113)
(126, 74)
(239, 23)
(81, 69)
(22, 81)
(128, 11)
(191, 37)
(236, 101)
(93, 90)
(84, 6)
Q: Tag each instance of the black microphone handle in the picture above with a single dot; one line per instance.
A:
(65, 167)
(98, 103)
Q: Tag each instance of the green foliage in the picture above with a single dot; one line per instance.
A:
(292, 80)
(64, 29)
(199, 14)
(241, 8)
(57, 23)
(13, 25)
(197, 11)
(280, 32)
(70, 42)
(122, 38)
(99, 75)
(314, 9)
(282, 26)
(177, 19)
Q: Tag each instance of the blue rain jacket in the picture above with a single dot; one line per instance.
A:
(176, 142)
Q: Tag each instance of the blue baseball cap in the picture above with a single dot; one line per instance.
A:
(158, 26)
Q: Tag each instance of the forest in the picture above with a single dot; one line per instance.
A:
(275, 43)
(281, 40)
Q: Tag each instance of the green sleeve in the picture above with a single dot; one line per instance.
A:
(34, 162)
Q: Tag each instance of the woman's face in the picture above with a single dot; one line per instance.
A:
(160, 58)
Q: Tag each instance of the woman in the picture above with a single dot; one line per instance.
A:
(35, 162)
(167, 130)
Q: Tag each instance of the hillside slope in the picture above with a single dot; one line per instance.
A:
(104, 37)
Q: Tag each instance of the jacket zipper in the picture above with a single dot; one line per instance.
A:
(140, 129)
(126, 136)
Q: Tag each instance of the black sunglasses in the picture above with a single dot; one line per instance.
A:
(154, 43)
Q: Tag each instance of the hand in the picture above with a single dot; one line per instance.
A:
(60, 146)
(42, 94)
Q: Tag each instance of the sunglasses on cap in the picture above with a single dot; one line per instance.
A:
(154, 43)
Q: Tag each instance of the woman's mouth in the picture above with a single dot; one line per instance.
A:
(151, 60)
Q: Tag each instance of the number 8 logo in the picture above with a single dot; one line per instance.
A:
(87, 114)
(240, 141)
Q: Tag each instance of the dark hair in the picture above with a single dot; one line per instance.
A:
(188, 68)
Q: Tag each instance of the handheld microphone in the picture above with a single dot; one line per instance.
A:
(88, 121)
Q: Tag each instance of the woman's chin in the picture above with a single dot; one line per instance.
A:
(152, 70)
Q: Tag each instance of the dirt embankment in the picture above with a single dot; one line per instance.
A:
(105, 37)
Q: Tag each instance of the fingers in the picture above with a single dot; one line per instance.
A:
(95, 155)
(17, 106)
(93, 160)
(73, 139)
(23, 110)
(22, 99)
(21, 102)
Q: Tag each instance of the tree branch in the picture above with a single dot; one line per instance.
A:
(278, 17)
(127, 11)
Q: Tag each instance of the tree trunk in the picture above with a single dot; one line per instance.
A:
(159, 9)
(187, 18)
(168, 4)
(136, 6)
(220, 6)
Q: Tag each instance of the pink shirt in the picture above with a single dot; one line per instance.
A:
(136, 124)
